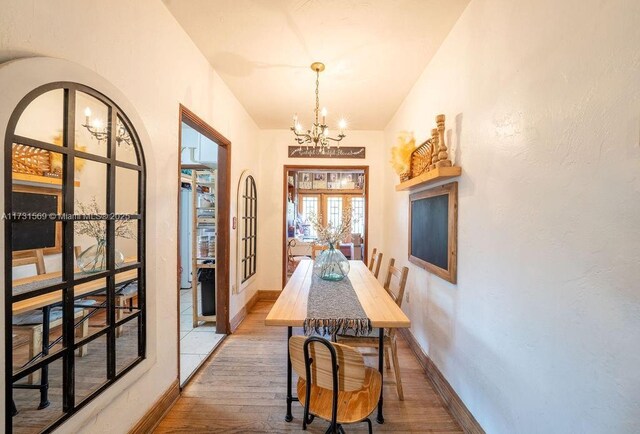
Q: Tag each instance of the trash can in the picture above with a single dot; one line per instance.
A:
(207, 279)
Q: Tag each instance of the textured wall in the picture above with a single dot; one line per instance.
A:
(140, 49)
(542, 332)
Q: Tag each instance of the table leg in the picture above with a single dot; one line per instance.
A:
(289, 416)
(44, 374)
(380, 418)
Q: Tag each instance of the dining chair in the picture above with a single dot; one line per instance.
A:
(317, 248)
(395, 283)
(27, 326)
(293, 260)
(374, 263)
(334, 384)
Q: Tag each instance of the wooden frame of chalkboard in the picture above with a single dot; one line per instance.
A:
(437, 209)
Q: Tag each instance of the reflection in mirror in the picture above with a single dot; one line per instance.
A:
(125, 150)
(126, 296)
(43, 118)
(31, 338)
(91, 368)
(90, 304)
(90, 247)
(90, 191)
(92, 121)
(36, 235)
(127, 344)
(126, 191)
(32, 414)
(127, 240)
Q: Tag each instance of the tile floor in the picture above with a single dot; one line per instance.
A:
(195, 343)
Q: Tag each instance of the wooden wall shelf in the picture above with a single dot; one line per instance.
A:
(430, 177)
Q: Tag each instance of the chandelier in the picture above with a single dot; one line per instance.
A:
(101, 133)
(318, 135)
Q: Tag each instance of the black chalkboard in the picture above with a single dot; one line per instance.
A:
(433, 230)
(31, 233)
(429, 230)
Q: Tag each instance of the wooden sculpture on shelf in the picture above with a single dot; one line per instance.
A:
(443, 157)
(425, 160)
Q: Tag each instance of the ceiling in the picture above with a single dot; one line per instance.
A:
(374, 51)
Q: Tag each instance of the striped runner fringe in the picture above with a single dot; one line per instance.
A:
(333, 308)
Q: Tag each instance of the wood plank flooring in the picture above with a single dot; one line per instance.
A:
(242, 389)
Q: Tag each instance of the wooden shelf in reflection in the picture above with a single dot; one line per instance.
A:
(37, 179)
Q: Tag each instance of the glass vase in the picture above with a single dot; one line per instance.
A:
(331, 265)
(94, 259)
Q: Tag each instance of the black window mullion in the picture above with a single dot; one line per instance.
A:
(111, 240)
(68, 360)
(142, 285)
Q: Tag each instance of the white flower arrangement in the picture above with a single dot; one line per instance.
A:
(97, 228)
(330, 234)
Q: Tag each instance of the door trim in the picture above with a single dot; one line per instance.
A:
(223, 234)
(286, 169)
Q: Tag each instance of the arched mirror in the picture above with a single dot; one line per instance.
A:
(74, 253)
(247, 229)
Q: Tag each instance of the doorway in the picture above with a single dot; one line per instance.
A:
(324, 192)
(203, 242)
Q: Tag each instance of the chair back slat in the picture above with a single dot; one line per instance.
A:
(374, 264)
(317, 248)
(396, 289)
(373, 258)
(351, 370)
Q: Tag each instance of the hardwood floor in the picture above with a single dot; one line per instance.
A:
(242, 389)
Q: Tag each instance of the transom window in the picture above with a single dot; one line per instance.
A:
(74, 253)
(249, 228)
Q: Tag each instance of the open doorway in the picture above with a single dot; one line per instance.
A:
(203, 242)
(323, 191)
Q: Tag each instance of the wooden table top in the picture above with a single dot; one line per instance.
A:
(56, 296)
(290, 309)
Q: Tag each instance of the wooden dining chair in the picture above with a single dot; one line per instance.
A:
(334, 384)
(394, 284)
(317, 248)
(374, 263)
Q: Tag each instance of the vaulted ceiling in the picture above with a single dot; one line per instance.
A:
(374, 51)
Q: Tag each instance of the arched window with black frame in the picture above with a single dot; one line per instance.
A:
(74, 253)
(249, 229)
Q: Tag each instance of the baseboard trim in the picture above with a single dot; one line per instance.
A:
(237, 319)
(152, 418)
(268, 295)
(452, 401)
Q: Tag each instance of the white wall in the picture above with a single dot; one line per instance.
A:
(542, 332)
(140, 49)
(273, 157)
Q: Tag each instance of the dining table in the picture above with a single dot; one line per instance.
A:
(290, 310)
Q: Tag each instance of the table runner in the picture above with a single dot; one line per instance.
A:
(333, 307)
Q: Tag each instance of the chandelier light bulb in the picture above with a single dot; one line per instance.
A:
(298, 127)
(342, 124)
(324, 111)
(87, 112)
(97, 124)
